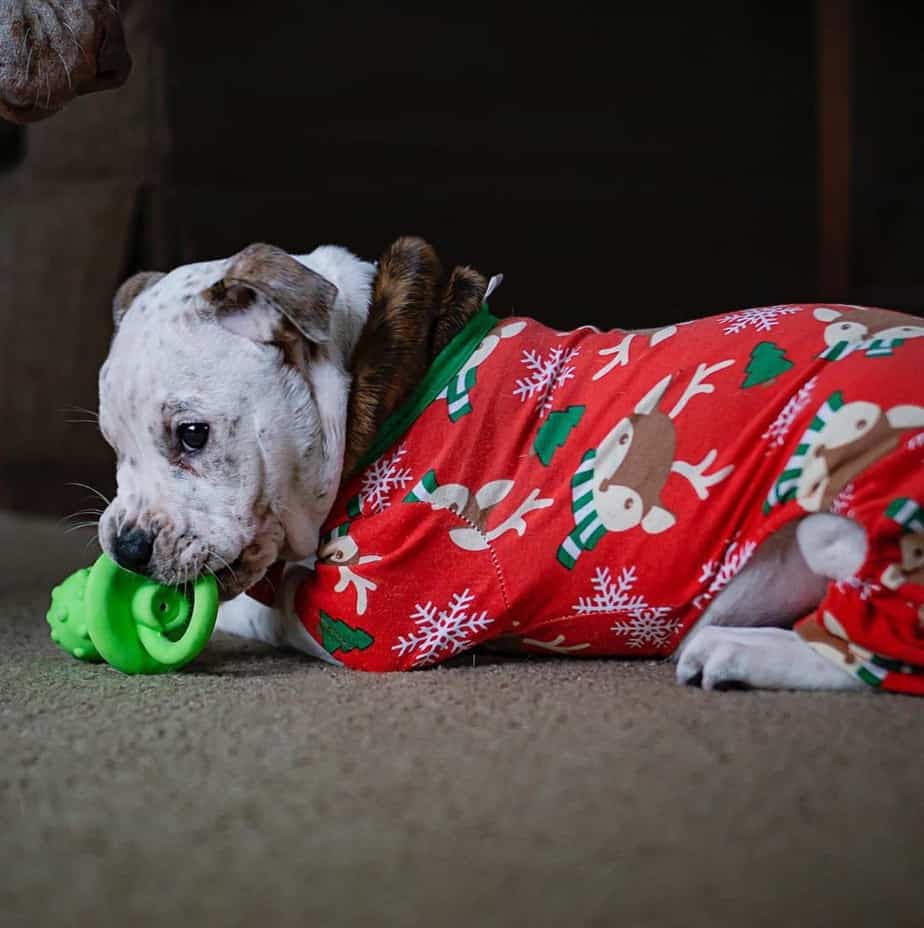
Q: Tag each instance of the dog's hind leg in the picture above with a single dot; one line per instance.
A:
(743, 638)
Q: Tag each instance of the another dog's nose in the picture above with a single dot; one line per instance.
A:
(133, 549)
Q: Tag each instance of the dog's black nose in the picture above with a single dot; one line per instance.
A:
(133, 549)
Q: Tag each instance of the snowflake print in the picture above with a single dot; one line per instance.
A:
(865, 588)
(382, 479)
(441, 633)
(646, 624)
(761, 320)
(778, 429)
(842, 504)
(718, 574)
(546, 375)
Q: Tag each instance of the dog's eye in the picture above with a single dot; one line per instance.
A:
(193, 435)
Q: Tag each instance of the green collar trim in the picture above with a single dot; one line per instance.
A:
(447, 364)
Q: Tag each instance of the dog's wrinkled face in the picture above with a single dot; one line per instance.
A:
(51, 52)
(224, 401)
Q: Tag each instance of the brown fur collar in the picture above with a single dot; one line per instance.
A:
(414, 313)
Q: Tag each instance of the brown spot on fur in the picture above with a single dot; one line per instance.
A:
(265, 274)
(412, 317)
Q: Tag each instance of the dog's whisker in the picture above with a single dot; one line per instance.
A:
(86, 486)
(83, 512)
(80, 514)
(79, 525)
(93, 539)
(229, 568)
(217, 578)
(82, 410)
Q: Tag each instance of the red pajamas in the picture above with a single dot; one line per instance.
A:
(591, 493)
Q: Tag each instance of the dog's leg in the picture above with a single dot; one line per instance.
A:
(244, 617)
(768, 658)
(785, 580)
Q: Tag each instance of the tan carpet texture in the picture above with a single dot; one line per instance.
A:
(259, 788)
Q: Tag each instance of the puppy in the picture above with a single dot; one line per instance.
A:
(427, 478)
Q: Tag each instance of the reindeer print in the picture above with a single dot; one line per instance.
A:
(877, 332)
(475, 509)
(618, 484)
(841, 441)
(457, 392)
(910, 516)
(340, 550)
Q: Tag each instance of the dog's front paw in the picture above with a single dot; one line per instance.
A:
(771, 658)
(714, 659)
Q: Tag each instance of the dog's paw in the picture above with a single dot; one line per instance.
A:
(770, 658)
(714, 659)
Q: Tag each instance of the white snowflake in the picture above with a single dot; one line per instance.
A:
(762, 319)
(865, 588)
(718, 574)
(778, 429)
(647, 624)
(547, 374)
(382, 478)
(443, 632)
(842, 504)
(916, 441)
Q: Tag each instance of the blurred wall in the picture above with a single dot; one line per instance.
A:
(622, 168)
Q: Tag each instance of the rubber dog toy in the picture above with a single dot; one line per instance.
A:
(105, 613)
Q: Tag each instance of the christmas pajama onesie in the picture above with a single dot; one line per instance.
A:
(589, 493)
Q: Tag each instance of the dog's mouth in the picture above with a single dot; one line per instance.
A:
(229, 578)
(240, 574)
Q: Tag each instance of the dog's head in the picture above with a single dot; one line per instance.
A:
(224, 397)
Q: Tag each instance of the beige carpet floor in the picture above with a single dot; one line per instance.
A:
(259, 788)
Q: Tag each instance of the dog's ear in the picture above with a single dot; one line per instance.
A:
(130, 289)
(268, 296)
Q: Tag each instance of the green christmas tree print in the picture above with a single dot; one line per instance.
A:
(767, 362)
(555, 431)
(338, 636)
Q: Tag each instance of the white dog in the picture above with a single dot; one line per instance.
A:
(227, 399)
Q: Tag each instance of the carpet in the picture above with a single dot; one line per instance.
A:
(261, 788)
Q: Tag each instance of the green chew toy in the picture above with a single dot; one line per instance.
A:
(105, 613)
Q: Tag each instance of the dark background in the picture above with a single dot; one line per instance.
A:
(623, 168)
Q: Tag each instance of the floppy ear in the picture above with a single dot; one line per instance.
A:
(126, 294)
(268, 296)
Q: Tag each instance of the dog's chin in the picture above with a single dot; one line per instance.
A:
(239, 576)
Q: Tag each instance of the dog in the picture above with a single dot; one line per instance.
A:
(261, 408)
(52, 52)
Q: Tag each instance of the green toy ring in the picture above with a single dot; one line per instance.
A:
(130, 622)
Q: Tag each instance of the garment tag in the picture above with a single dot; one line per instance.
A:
(493, 284)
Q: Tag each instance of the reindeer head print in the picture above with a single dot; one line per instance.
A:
(854, 435)
(634, 461)
(857, 325)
